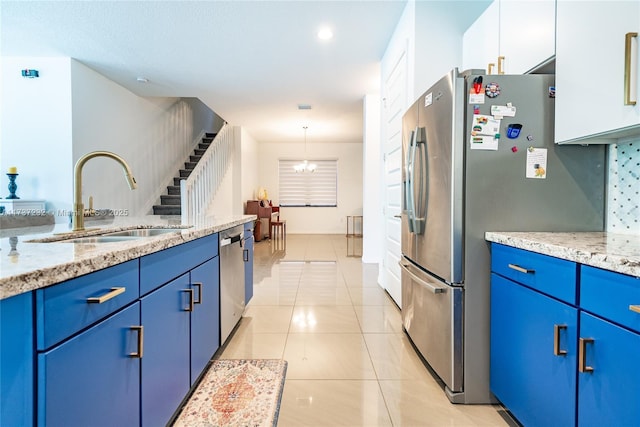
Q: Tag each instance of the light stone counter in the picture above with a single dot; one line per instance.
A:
(615, 252)
(25, 266)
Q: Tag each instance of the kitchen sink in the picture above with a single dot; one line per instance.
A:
(110, 236)
(144, 232)
(100, 239)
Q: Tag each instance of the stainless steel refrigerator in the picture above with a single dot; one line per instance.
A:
(478, 155)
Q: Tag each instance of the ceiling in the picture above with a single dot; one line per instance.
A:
(252, 62)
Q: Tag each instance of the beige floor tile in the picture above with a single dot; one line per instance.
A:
(333, 403)
(327, 356)
(379, 319)
(323, 296)
(266, 319)
(322, 319)
(394, 358)
(255, 346)
(370, 296)
(419, 403)
(273, 295)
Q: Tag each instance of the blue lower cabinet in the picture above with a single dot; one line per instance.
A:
(533, 354)
(92, 379)
(248, 269)
(205, 317)
(165, 315)
(16, 361)
(609, 378)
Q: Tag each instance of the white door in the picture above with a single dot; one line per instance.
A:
(394, 105)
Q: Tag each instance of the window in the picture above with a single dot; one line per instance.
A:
(319, 188)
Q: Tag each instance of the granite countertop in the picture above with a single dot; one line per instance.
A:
(615, 252)
(25, 265)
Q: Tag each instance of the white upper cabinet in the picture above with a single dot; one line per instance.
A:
(595, 45)
(516, 36)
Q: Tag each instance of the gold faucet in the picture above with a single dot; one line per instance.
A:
(78, 206)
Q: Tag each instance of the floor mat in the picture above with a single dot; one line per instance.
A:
(236, 393)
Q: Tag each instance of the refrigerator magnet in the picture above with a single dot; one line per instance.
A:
(513, 130)
(492, 90)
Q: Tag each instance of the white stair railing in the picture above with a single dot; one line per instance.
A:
(198, 190)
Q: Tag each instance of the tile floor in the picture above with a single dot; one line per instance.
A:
(350, 364)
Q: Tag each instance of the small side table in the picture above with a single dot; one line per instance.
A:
(355, 219)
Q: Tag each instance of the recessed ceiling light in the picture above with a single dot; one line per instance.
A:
(325, 33)
(142, 80)
(304, 107)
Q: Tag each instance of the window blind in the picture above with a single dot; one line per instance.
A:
(319, 188)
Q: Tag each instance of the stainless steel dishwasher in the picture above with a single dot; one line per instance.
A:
(231, 280)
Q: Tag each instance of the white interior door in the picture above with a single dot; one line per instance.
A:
(395, 100)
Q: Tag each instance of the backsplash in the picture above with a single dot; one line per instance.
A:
(623, 188)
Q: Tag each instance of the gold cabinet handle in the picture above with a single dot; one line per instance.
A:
(628, 68)
(114, 292)
(557, 351)
(490, 68)
(521, 269)
(635, 308)
(500, 64)
(140, 351)
(582, 355)
(191, 302)
(199, 285)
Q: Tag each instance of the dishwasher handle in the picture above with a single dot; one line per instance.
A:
(231, 240)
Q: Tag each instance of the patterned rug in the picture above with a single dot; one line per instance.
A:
(238, 393)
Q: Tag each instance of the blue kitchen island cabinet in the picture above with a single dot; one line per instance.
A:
(91, 379)
(85, 334)
(205, 317)
(16, 361)
(542, 342)
(180, 314)
(165, 363)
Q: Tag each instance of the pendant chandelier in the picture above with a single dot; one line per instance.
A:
(305, 166)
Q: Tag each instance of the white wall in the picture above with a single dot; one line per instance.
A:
(372, 225)
(312, 220)
(154, 135)
(249, 167)
(36, 132)
(49, 122)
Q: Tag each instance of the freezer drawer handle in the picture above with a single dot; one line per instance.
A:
(429, 286)
(635, 308)
(582, 355)
(114, 292)
(521, 269)
(556, 340)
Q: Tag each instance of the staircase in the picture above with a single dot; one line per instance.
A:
(170, 203)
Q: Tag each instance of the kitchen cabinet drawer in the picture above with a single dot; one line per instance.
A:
(161, 267)
(552, 276)
(611, 295)
(66, 308)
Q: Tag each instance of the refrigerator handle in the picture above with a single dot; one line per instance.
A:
(409, 183)
(420, 211)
